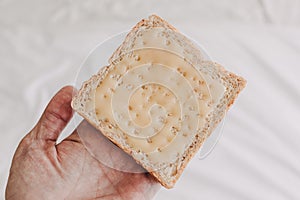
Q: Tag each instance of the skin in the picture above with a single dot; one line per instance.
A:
(43, 169)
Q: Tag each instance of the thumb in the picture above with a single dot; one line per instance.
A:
(56, 116)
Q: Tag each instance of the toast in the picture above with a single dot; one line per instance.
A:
(158, 99)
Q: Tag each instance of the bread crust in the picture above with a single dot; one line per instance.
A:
(153, 21)
(233, 83)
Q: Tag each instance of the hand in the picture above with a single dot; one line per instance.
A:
(42, 169)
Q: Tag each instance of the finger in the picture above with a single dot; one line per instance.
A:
(102, 149)
(56, 115)
(151, 188)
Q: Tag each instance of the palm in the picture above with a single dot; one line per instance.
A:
(100, 181)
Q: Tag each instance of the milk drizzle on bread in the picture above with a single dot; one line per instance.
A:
(158, 65)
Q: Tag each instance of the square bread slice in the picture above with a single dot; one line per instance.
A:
(158, 99)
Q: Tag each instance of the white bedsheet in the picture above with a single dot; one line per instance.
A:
(43, 43)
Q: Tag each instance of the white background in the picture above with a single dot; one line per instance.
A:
(43, 43)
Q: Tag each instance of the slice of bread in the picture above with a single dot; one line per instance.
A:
(158, 99)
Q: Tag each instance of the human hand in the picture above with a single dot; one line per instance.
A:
(42, 169)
